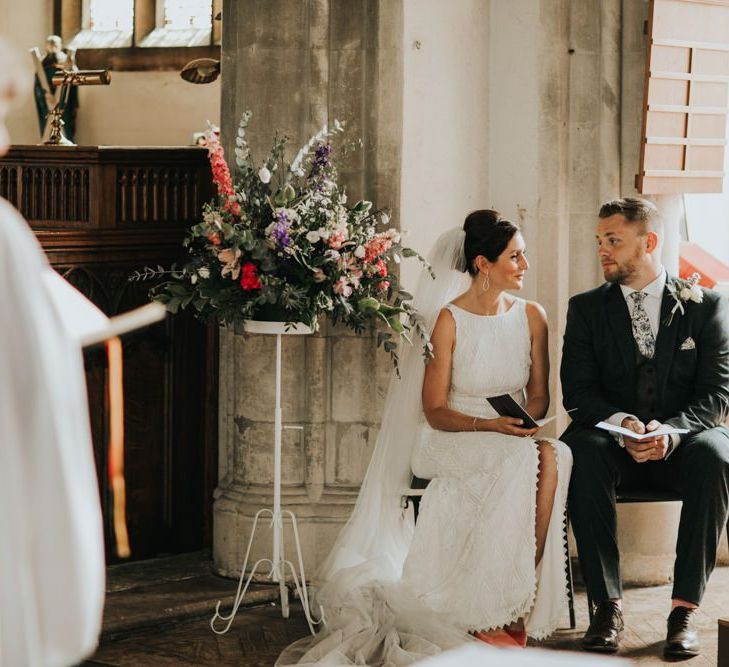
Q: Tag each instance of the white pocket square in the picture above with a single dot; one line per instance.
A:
(688, 344)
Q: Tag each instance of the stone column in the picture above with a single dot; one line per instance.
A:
(298, 65)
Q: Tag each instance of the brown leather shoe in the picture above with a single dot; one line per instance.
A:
(682, 640)
(606, 629)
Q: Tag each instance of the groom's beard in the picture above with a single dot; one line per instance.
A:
(622, 273)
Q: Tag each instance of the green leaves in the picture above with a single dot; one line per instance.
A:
(368, 305)
(285, 195)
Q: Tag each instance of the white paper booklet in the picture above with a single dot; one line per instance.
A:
(664, 430)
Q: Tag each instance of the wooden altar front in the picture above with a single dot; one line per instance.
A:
(101, 213)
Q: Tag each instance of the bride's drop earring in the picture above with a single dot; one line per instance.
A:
(486, 283)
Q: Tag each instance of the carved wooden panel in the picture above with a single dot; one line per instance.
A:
(159, 194)
(57, 196)
(74, 198)
(9, 184)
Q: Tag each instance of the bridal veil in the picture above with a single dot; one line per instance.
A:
(368, 616)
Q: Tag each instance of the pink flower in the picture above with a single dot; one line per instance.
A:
(337, 239)
(343, 287)
(355, 276)
(221, 173)
(233, 206)
(377, 246)
(381, 267)
(319, 276)
(383, 285)
(249, 280)
(214, 238)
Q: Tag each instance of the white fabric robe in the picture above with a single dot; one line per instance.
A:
(51, 535)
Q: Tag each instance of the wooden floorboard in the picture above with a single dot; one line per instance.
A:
(259, 634)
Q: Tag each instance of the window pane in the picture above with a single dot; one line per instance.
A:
(106, 24)
(186, 14)
(185, 23)
(111, 15)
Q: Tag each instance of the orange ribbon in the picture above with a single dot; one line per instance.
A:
(116, 446)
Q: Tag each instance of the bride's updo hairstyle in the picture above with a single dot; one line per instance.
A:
(487, 234)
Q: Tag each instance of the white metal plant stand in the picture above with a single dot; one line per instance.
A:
(278, 563)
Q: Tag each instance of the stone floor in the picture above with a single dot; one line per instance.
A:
(259, 633)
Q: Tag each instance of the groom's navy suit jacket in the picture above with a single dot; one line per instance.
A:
(599, 361)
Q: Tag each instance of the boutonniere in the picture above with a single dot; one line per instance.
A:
(683, 291)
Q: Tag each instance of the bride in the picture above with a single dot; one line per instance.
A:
(487, 557)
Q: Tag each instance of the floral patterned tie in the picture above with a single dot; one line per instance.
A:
(642, 326)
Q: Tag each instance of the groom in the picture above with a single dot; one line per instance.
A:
(627, 361)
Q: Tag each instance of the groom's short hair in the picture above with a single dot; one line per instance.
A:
(634, 210)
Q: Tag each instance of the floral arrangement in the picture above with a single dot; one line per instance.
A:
(683, 291)
(282, 243)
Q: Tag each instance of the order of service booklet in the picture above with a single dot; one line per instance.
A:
(663, 430)
(506, 406)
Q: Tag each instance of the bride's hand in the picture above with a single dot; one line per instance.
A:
(510, 426)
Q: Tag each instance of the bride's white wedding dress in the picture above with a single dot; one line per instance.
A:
(392, 594)
(472, 554)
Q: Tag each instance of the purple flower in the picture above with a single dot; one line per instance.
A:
(321, 162)
(280, 231)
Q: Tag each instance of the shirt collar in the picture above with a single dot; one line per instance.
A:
(654, 289)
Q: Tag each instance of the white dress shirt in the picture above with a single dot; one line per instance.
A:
(652, 304)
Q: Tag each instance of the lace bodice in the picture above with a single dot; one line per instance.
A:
(492, 356)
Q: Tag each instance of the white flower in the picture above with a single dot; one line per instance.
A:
(324, 233)
(264, 174)
(332, 255)
(203, 272)
(683, 292)
(359, 252)
(393, 235)
(396, 257)
(319, 276)
(385, 219)
(324, 301)
(313, 236)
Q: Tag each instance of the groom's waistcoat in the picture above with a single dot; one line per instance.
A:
(646, 387)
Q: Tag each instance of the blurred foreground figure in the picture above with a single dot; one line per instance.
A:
(51, 536)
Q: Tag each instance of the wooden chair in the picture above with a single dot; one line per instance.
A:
(413, 495)
(642, 497)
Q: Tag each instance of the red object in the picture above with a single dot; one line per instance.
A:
(693, 258)
(249, 279)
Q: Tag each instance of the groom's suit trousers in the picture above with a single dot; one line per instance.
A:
(698, 470)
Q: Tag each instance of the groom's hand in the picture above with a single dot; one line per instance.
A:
(639, 450)
(661, 442)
